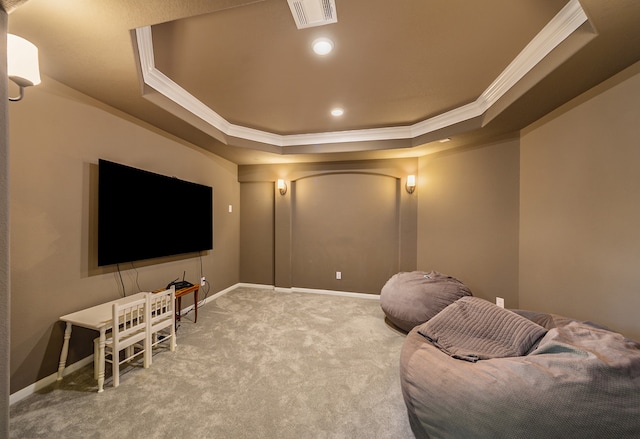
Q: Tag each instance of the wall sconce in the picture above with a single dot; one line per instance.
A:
(410, 186)
(282, 186)
(22, 63)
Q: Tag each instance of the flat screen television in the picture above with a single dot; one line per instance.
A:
(144, 215)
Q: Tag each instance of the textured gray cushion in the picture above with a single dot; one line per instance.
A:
(474, 329)
(409, 299)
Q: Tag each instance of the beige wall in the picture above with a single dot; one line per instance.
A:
(351, 217)
(257, 233)
(468, 218)
(579, 209)
(56, 138)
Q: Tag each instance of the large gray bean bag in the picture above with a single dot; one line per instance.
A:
(411, 298)
(577, 381)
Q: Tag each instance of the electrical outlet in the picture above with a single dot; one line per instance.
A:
(500, 302)
(202, 281)
(338, 275)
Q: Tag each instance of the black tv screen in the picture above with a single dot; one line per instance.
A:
(143, 215)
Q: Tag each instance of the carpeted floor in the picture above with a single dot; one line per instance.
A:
(258, 364)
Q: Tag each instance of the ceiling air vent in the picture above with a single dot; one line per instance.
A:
(309, 13)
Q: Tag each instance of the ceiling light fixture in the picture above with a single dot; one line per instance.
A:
(322, 46)
(337, 112)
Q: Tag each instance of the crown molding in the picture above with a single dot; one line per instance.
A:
(567, 21)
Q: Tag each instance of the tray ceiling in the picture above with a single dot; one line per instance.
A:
(240, 79)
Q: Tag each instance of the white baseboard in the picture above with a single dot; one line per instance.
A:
(210, 298)
(47, 381)
(44, 382)
(260, 286)
(327, 292)
(336, 293)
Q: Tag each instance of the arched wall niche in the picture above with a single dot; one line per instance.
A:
(349, 217)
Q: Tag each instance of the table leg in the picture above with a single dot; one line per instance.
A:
(103, 340)
(195, 305)
(178, 310)
(65, 350)
(96, 358)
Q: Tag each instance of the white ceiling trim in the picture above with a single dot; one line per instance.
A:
(567, 21)
(570, 18)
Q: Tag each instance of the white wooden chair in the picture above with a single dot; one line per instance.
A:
(162, 324)
(130, 334)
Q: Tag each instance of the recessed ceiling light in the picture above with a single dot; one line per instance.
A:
(322, 46)
(337, 112)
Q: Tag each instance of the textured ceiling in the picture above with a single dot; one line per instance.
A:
(395, 65)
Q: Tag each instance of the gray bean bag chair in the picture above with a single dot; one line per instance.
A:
(478, 371)
(411, 298)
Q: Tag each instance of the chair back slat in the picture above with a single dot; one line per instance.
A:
(162, 306)
(162, 318)
(131, 318)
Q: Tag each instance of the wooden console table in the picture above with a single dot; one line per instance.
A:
(181, 292)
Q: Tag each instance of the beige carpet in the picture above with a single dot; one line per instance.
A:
(258, 364)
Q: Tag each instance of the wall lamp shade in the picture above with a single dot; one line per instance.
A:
(411, 183)
(282, 186)
(22, 63)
